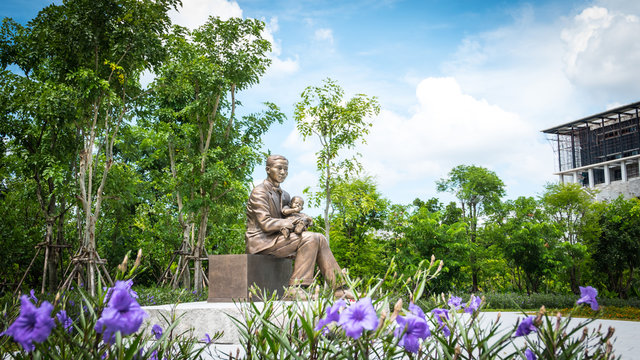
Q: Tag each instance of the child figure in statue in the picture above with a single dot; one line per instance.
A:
(293, 211)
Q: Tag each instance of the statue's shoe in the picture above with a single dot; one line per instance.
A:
(345, 294)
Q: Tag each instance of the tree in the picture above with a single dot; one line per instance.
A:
(211, 151)
(338, 126)
(426, 234)
(526, 240)
(617, 249)
(40, 143)
(573, 213)
(360, 214)
(98, 51)
(479, 191)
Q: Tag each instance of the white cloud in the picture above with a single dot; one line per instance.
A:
(518, 67)
(324, 35)
(602, 51)
(450, 128)
(196, 12)
(283, 66)
(278, 66)
(270, 29)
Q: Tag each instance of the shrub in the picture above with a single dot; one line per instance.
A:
(436, 328)
(105, 326)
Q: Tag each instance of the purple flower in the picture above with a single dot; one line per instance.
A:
(127, 285)
(417, 311)
(473, 304)
(32, 296)
(122, 313)
(64, 320)
(411, 328)
(157, 331)
(206, 338)
(442, 315)
(32, 325)
(526, 327)
(455, 302)
(332, 314)
(530, 355)
(358, 317)
(154, 355)
(588, 296)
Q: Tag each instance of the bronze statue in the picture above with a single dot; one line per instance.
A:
(265, 221)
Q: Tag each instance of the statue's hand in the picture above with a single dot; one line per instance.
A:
(291, 223)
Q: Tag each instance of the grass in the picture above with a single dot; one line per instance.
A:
(606, 312)
(148, 296)
(610, 308)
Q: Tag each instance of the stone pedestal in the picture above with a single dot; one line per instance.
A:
(231, 276)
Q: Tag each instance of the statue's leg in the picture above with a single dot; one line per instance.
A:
(303, 248)
(305, 260)
(326, 261)
(308, 248)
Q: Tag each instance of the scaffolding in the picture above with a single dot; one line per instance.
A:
(598, 139)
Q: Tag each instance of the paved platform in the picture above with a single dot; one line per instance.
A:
(198, 318)
(202, 318)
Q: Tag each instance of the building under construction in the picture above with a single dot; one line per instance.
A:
(601, 151)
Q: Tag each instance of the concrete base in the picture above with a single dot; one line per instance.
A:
(198, 319)
(231, 276)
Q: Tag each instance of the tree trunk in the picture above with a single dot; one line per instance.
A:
(474, 280)
(50, 259)
(574, 279)
(57, 259)
(197, 252)
(327, 223)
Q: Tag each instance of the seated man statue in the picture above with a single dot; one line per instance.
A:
(264, 236)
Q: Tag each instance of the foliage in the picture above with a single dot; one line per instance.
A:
(324, 329)
(426, 234)
(617, 249)
(522, 233)
(38, 139)
(79, 330)
(211, 152)
(606, 312)
(479, 191)
(360, 211)
(149, 296)
(575, 218)
(339, 126)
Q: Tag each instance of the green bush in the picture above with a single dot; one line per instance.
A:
(373, 328)
(534, 301)
(149, 296)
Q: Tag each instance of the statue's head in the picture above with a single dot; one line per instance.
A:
(297, 201)
(277, 168)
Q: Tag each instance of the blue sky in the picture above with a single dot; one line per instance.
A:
(460, 82)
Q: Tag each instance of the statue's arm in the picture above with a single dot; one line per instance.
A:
(286, 211)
